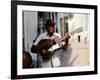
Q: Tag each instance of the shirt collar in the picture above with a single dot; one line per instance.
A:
(52, 35)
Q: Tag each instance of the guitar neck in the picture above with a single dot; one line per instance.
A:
(78, 30)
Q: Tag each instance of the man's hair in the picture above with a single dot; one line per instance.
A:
(49, 23)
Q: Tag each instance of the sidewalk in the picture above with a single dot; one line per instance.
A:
(81, 50)
(77, 54)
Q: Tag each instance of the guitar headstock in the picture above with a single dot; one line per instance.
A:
(78, 30)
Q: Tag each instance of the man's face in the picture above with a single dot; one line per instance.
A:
(51, 30)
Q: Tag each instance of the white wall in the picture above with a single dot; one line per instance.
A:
(77, 21)
(80, 20)
(30, 28)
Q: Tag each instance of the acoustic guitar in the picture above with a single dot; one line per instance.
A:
(47, 47)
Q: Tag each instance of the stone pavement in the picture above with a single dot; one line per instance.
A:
(77, 54)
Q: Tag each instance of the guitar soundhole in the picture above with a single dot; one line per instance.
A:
(45, 54)
(43, 51)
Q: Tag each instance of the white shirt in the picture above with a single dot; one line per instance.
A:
(55, 59)
(46, 36)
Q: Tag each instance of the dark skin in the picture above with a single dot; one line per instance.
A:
(50, 30)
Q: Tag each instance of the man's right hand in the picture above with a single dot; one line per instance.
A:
(56, 39)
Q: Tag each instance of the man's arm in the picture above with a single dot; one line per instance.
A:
(64, 47)
(34, 48)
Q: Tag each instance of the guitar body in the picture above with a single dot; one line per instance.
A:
(43, 47)
(27, 60)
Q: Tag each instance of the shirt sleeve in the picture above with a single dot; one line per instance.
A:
(38, 39)
(57, 34)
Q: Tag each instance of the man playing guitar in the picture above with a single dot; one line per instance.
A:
(47, 40)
